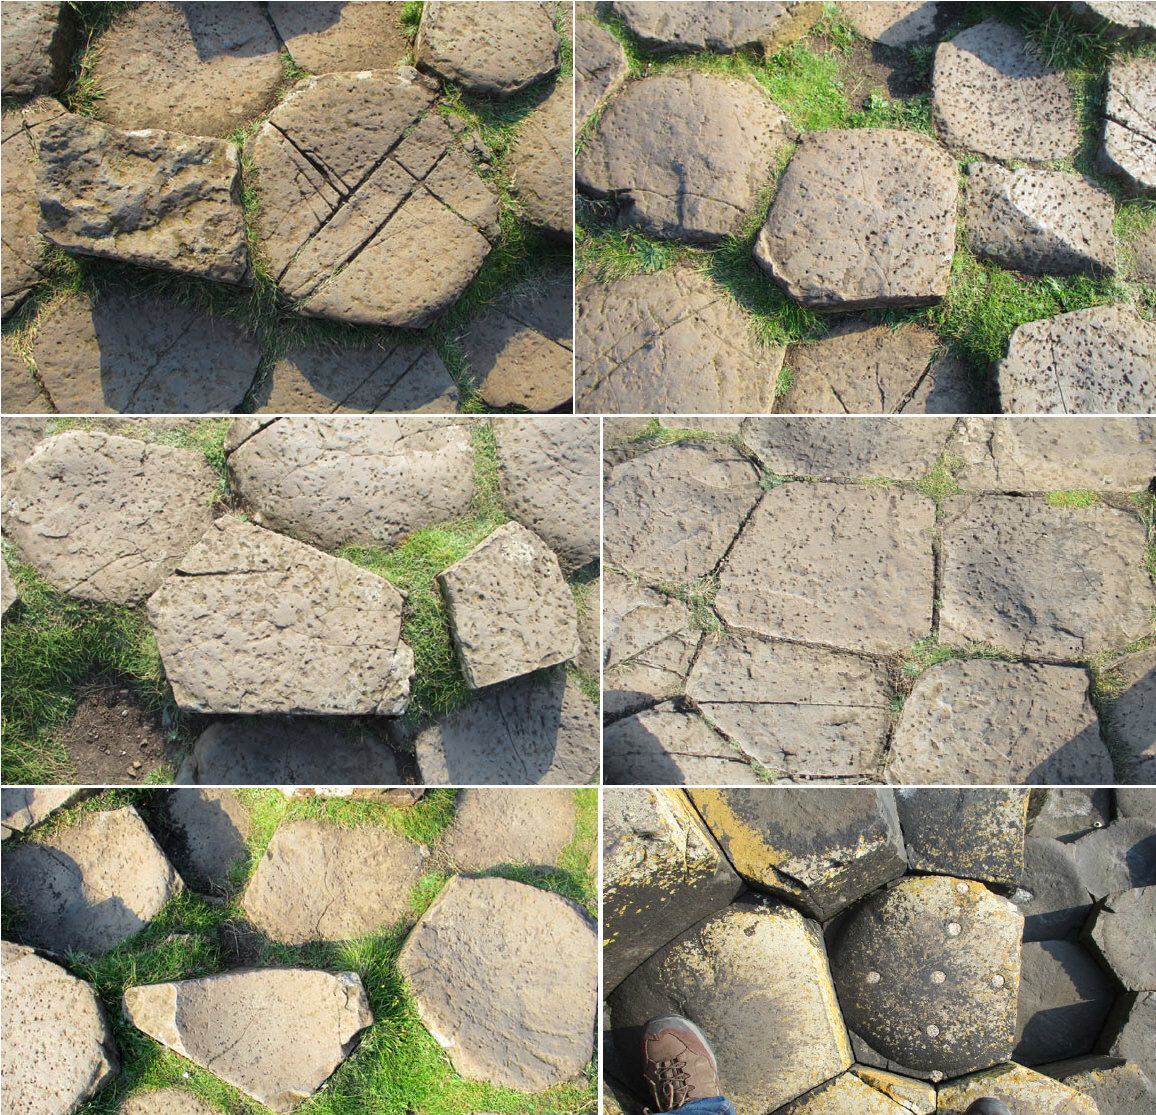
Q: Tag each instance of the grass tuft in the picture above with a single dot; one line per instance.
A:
(699, 597)
(928, 652)
(1079, 497)
(940, 483)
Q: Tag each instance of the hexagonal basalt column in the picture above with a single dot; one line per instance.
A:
(1025, 1091)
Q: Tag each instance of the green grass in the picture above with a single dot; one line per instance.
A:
(699, 597)
(928, 652)
(940, 483)
(1079, 497)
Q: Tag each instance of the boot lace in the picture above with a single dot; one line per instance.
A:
(671, 1083)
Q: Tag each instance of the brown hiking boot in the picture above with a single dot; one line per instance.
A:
(987, 1106)
(678, 1063)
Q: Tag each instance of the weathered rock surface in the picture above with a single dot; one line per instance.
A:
(540, 160)
(599, 66)
(253, 622)
(1135, 802)
(549, 476)
(845, 1093)
(90, 886)
(927, 973)
(22, 807)
(1133, 713)
(108, 518)
(212, 826)
(358, 236)
(991, 94)
(665, 747)
(1117, 858)
(1117, 933)
(37, 48)
(496, 826)
(1130, 1032)
(880, 198)
(328, 36)
(164, 1101)
(202, 70)
(1052, 582)
(821, 851)
(1119, 1088)
(807, 712)
(902, 24)
(275, 1033)
(530, 730)
(364, 480)
(58, 1048)
(1094, 361)
(505, 976)
(130, 352)
(1129, 149)
(754, 978)
(1068, 812)
(673, 176)
(1027, 1090)
(22, 394)
(915, 1096)
(1123, 20)
(688, 26)
(8, 591)
(1040, 221)
(673, 342)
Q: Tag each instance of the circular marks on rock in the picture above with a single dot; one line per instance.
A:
(505, 976)
(381, 221)
(599, 66)
(685, 153)
(863, 219)
(677, 25)
(1129, 149)
(540, 164)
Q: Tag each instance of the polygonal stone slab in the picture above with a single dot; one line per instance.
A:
(845, 1093)
(496, 826)
(1136, 803)
(671, 176)
(1068, 812)
(165, 1101)
(1051, 582)
(676, 25)
(1052, 896)
(495, 50)
(1118, 1087)
(91, 885)
(806, 712)
(22, 394)
(1130, 1031)
(1126, 19)
(363, 480)
(843, 565)
(319, 882)
(1129, 149)
(505, 976)
(1117, 857)
(822, 851)
(991, 94)
(669, 343)
(599, 66)
(37, 48)
(754, 978)
(108, 518)
(22, 807)
(212, 826)
(58, 1047)
(1133, 713)
(927, 973)
(328, 36)
(915, 1096)
(1094, 361)
(881, 198)
(275, 1033)
(540, 176)
(896, 23)
(252, 621)
(665, 747)
(1028, 1091)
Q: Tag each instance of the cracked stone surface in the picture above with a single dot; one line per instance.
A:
(990, 94)
(1044, 581)
(364, 480)
(672, 342)
(1040, 221)
(496, 826)
(58, 1045)
(319, 882)
(901, 24)
(847, 566)
(845, 1093)
(1027, 1090)
(1117, 933)
(496, 49)
(505, 977)
(1023, 722)
(275, 1033)
(383, 221)
(914, 1096)
(676, 25)
(131, 352)
(540, 163)
(22, 807)
(1129, 149)
(91, 885)
(599, 66)
(1098, 360)
(330, 36)
(254, 622)
(684, 153)
(37, 48)
(510, 610)
(22, 394)
(1133, 713)
(212, 826)
(663, 746)
(807, 712)
(107, 518)
(863, 219)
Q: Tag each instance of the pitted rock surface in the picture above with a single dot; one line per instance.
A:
(1133, 713)
(91, 885)
(396, 377)
(253, 622)
(754, 979)
(677, 25)
(1130, 124)
(202, 70)
(548, 471)
(22, 394)
(540, 163)
(672, 342)
(521, 351)
(927, 973)
(383, 221)
(1098, 360)
(1118, 1087)
(1117, 932)
(599, 66)
(505, 976)
(1022, 1087)
(165, 1101)
(212, 826)
(904, 24)
(131, 352)
(713, 488)
(665, 747)
(1125, 19)
(21, 436)
(329, 36)
(863, 219)
(22, 807)
(320, 882)
(510, 610)
(843, 565)
(1040, 221)
(526, 731)
(363, 480)
(108, 518)
(37, 47)
(1024, 723)
(684, 153)
(1044, 581)
(992, 95)
(58, 1047)
(823, 852)
(275, 1033)
(496, 826)
(845, 1093)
